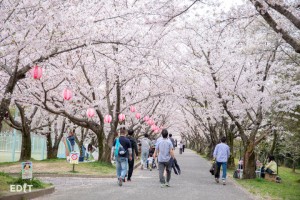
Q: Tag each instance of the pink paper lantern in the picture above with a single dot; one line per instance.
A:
(132, 109)
(121, 117)
(138, 115)
(90, 112)
(153, 127)
(107, 119)
(150, 122)
(36, 72)
(146, 118)
(67, 94)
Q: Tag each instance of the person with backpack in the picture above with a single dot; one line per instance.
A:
(145, 147)
(135, 149)
(122, 151)
(164, 150)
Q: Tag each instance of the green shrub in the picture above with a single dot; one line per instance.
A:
(34, 182)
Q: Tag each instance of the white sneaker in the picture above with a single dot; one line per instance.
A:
(217, 180)
(224, 182)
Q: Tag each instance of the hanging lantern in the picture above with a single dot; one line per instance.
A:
(36, 72)
(67, 94)
(150, 122)
(138, 115)
(90, 112)
(153, 127)
(132, 109)
(146, 118)
(107, 119)
(121, 117)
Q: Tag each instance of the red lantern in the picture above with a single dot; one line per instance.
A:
(107, 119)
(67, 94)
(121, 117)
(132, 109)
(36, 72)
(90, 112)
(138, 115)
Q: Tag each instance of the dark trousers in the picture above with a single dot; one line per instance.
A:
(130, 168)
(162, 166)
(183, 146)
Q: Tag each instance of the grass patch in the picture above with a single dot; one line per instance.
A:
(288, 189)
(7, 180)
(60, 166)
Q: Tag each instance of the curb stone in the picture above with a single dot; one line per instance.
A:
(28, 195)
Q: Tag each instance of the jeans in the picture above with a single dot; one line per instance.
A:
(224, 169)
(130, 166)
(162, 166)
(121, 164)
(144, 158)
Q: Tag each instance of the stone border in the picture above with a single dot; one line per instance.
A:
(28, 195)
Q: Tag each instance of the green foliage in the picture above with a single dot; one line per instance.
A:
(34, 182)
(287, 189)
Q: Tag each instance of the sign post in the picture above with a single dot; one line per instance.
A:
(27, 170)
(74, 157)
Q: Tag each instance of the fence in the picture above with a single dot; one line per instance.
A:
(10, 147)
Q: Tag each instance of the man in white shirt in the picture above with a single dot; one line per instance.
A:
(221, 155)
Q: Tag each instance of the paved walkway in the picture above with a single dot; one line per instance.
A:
(194, 183)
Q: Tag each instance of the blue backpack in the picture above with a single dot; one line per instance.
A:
(119, 149)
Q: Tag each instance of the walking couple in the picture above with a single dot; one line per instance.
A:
(122, 152)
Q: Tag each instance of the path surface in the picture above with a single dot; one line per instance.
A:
(194, 183)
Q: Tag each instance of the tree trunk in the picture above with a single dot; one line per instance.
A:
(274, 143)
(230, 138)
(210, 151)
(249, 162)
(26, 146)
(52, 150)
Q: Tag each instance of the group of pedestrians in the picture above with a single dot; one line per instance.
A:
(124, 147)
(123, 150)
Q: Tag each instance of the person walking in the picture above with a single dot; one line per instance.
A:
(145, 147)
(165, 152)
(135, 149)
(122, 150)
(183, 145)
(172, 140)
(180, 147)
(221, 155)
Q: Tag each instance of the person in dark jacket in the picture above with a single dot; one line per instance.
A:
(122, 151)
(134, 149)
